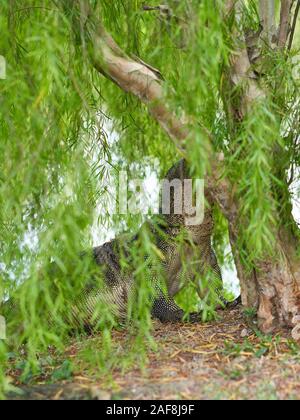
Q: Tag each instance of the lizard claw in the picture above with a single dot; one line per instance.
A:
(194, 318)
(234, 303)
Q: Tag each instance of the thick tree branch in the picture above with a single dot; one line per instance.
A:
(131, 75)
(139, 79)
(285, 21)
(241, 74)
(267, 17)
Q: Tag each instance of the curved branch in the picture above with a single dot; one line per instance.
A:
(139, 79)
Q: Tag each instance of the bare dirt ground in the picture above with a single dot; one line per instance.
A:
(219, 360)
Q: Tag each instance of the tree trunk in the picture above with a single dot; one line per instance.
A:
(272, 287)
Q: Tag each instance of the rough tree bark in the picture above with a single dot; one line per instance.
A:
(267, 14)
(273, 287)
(275, 281)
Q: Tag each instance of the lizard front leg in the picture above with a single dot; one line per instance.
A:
(166, 310)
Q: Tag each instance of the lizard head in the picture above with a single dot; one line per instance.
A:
(184, 205)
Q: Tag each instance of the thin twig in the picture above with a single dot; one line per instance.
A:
(294, 25)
